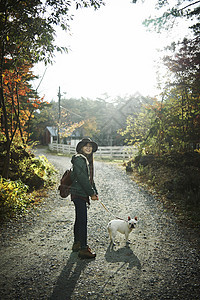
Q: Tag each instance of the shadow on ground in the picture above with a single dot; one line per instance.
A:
(68, 278)
(125, 255)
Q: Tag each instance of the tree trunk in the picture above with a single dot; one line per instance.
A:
(6, 165)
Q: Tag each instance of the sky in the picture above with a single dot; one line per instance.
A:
(110, 52)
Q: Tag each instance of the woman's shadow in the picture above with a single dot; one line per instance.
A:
(68, 278)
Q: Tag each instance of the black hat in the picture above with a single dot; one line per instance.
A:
(84, 142)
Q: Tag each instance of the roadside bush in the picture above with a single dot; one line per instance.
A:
(13, 195)
(27, 174)
(35, 172)
(44, 169)
(176, 179)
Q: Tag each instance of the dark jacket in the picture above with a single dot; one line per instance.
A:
(81, 185)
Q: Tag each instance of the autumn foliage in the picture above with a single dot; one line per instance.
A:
(20, 101)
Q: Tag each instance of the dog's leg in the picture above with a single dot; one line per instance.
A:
(126, 237)
(112, 236)
(111, 246)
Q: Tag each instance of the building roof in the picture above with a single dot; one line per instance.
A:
(53, 131)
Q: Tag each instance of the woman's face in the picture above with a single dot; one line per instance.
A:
(87, 149)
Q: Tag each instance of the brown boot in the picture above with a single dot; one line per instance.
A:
(86, 253)
(76, 246)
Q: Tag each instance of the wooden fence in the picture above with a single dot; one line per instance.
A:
(122, 152)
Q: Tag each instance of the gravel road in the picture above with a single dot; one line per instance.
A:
(161, 262)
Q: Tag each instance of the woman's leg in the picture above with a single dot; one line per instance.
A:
(80, 225)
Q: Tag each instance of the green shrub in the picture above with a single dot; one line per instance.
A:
(43, 168)
(36, 172)
(28, 174)
(13, 195)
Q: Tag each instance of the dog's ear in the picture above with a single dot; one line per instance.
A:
(129, 218)
(135, 218)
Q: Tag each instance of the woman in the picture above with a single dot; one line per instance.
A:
(82, 189)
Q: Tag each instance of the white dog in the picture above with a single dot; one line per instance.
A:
(122, 226)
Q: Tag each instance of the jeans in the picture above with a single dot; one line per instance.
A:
(80, 225)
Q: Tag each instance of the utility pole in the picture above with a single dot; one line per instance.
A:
(59, 98)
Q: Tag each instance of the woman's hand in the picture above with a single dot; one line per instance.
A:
(94, 197)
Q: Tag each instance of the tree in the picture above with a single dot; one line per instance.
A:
(94, 113)
(183, 65)
(20, 104)
(176, 10)
(90, 127)
(184, 82)
(179, 120)
(146, 130)
(14, 88)
(27, 35)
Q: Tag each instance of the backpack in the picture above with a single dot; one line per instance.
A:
(65, 184)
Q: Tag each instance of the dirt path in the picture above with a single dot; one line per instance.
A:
(36, 261)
